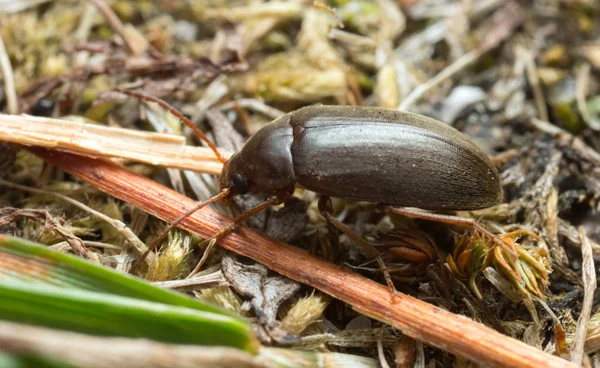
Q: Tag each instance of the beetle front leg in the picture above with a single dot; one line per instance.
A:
(326, 209)
(210, 242)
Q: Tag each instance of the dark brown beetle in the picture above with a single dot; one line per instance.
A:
(367, 154)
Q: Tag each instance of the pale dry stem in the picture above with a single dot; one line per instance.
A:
(589, 283)
(167, 150)
(107, 352)
(9, 80)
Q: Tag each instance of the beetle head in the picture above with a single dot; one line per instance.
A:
(264, 164)
(234, 177)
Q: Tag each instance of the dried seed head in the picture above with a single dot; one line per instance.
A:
(528, 273)
(473, 253)
(168, 265)
(412, 245)
(304, 313)
(224, 297)
(468, 259)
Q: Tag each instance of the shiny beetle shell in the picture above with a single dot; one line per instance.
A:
(366, 154)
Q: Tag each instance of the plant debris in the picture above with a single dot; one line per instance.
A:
(265, 292)
(520, 78)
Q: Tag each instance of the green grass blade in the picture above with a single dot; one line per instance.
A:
(15, 361)
(27, 261)
(110, 315)
(42, 287)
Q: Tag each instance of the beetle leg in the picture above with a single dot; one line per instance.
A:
(326, 209)
(454, 220)
(227, 229)
(223, 194)
(332, 249)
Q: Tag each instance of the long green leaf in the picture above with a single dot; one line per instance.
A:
(43, 287)
(24, 260)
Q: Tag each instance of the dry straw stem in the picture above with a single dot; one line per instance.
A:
(206, 281)
(534, 82)
(159, 149)
(9, 80)
(107, 352)
(115, 24)
(588, 272)
(415, 318)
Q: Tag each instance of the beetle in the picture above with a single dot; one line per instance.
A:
(366, 154)
(370, 154)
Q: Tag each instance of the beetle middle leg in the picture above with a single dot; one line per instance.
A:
(326, 209)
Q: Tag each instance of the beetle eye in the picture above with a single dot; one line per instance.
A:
(239, 183)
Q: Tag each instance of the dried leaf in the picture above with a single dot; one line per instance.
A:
(266, 294)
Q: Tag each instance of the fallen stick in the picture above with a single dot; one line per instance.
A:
(168, 150)
(415, 318)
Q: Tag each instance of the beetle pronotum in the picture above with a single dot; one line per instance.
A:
(367, 154)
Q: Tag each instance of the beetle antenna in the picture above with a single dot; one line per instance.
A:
(174, 111)
(236, 221)
(222, 194)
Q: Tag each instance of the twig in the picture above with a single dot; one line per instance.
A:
(534, 82)
(118, 225)
(9, 80)
(404, 350)
(253, 104)
(415, 318)
(588, 274)
(115, 23)
(166, 150)
(263, 10)
(60, 247)
(211, 280)
(461, 63)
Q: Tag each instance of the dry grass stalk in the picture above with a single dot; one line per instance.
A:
(589, 283)
(208, 281)
(534, 82)
(106, 352)
(415, 318)
(166, 150)
(118, 225)
(9, 80)
(116, 25)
